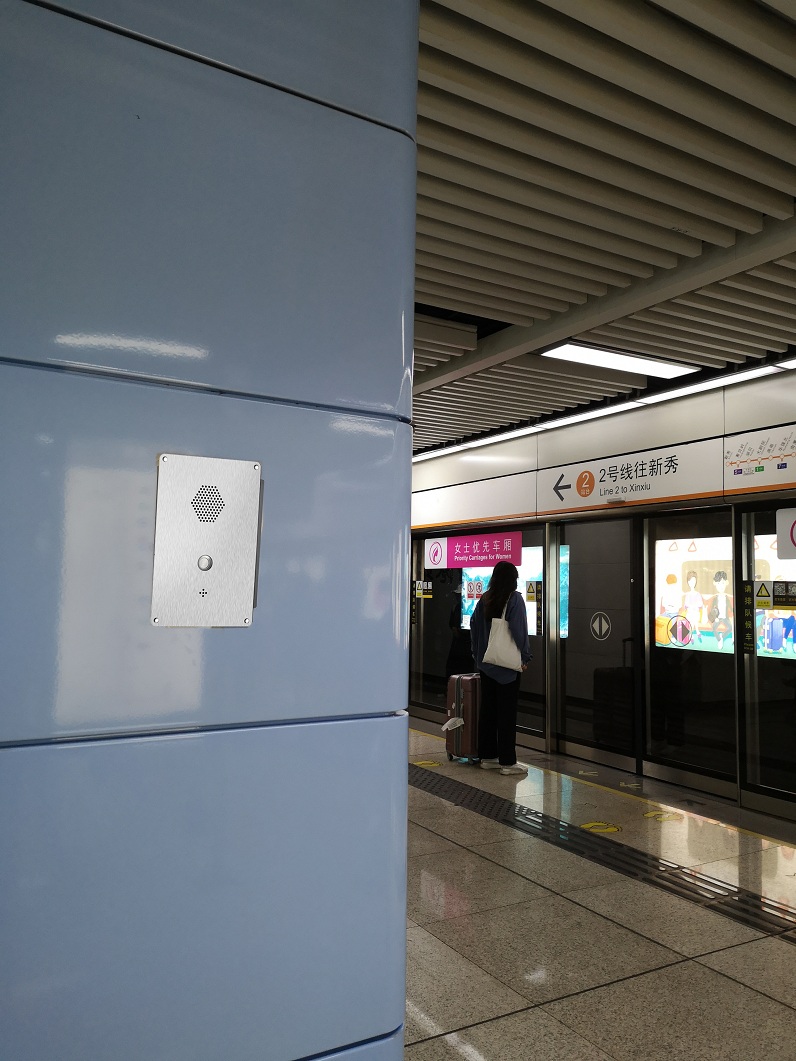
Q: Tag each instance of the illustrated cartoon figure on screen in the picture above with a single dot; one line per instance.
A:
(693, 604)
(720, 609)
(670, 598)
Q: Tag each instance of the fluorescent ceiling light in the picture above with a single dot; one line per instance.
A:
(787, 364)
(712, 384)
(591, 355)
(154, 347)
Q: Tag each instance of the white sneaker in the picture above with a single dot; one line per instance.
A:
(515, 769)
(490, 764)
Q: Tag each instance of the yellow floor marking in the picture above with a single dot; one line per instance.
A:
(641, 799)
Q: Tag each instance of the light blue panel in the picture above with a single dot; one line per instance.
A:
(167, 219)
(357, 54)
(78, 653)
(204, 897)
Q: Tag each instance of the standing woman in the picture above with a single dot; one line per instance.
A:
(500, 686)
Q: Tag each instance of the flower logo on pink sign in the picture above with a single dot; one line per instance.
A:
(435, 553)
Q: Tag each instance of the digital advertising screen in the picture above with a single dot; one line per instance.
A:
(693, 607)
(475, 581)
(775, 628)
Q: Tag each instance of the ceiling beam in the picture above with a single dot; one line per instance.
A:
(776, 240)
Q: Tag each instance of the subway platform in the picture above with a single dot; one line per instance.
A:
(583, 914)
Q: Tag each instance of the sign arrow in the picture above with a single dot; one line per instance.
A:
(561, 485)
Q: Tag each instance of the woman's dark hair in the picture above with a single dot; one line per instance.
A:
(502, 584)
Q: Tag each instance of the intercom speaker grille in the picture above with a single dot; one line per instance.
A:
(208, 503)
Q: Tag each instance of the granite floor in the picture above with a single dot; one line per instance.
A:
(518, 950)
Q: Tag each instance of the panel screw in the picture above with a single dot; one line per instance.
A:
(164, 459)
(246, 622)
(156, 620)
(257, 467)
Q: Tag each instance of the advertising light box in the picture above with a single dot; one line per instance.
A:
(694, 604)
(775, 623)
(475, 582)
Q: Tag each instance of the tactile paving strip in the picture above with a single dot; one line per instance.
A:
(754, 911)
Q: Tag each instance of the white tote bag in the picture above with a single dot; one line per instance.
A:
(502, 649)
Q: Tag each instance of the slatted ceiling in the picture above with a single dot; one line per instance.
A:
(624, 337)
(612, 108)
(554, 122)
(757, 286)
(508, 282)
(574, 186)
(746, 26)
(777, 275)
(673, 43)
(547, 202)
(629, 44)
(570, 152)
(704, 313)
(527, 299)
(669, 326)
(572, 287)
(666, 333)
(495, 206)
(611, 266)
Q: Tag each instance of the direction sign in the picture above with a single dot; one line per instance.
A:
(690, 470)
(600, 626)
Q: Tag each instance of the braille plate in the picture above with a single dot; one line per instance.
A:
(206, 507)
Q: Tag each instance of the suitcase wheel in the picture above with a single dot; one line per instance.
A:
(450, 757)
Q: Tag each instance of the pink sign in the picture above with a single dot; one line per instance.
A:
(475, 550)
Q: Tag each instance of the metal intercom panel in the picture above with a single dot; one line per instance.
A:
(206, 541)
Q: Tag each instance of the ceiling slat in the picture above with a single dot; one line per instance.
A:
(494, 206)
(457, 215)
(458, 253)
(550, 117)
(521, 192)
(522, 136)
(490, 290)
(512, 250)
(509, 281)
(621, 65)
(473, 43)
(490, 155)
(707, 60)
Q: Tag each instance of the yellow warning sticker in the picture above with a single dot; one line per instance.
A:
(426, 762)
(602, 827)
(664, 816)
